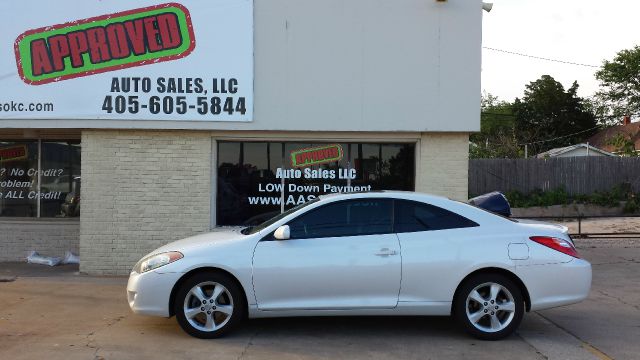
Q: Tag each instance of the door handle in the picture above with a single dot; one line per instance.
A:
(386, 252)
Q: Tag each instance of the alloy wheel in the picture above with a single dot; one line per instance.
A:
(208, 306)
(490, 307)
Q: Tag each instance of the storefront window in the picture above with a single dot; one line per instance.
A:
(253, 175)
(39, 179)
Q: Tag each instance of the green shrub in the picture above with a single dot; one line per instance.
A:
(631, 206)
(559, 196)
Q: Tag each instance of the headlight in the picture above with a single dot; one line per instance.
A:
(155, 261)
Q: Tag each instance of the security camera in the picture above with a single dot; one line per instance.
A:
(487, 6)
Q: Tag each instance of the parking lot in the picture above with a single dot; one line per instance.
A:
(54, 313)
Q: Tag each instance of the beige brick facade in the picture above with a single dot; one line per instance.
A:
(140, 190)
(143, 189)
(442, 165)
(49, 237)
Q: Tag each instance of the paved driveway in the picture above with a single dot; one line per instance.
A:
(66, 316)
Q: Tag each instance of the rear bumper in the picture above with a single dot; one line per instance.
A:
(149, 293)
(552, 285)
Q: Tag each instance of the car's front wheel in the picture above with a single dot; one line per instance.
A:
(489, 306)
(209, 305)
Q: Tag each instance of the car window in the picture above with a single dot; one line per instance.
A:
(345, 218)
(254, 229)
(411, 216)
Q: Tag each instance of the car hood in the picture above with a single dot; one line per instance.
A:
(193, 243)
(543, 225)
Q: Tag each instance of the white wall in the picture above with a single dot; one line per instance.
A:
(411, 65)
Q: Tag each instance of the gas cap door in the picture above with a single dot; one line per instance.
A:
(518, 251)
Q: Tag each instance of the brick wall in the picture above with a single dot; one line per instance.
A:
(443, 165)
(47, 237)
(141, 190)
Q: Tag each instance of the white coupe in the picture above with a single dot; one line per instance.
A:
(377, 253)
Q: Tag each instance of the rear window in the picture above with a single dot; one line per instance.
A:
(411, 216)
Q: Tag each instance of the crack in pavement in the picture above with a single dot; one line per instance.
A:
(248, 344)
(90, 338)
(627, 262)
(619, 300)
(585, 344)
(531, 346)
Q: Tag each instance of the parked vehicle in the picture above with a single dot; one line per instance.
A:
(378, 253)
(495, 202)
(71, 205)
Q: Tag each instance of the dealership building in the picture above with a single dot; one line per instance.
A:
(124, 127)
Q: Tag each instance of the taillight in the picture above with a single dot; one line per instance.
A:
(562, 245)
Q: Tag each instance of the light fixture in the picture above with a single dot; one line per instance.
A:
(487, 6)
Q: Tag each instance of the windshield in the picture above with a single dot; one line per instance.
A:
(254, 229)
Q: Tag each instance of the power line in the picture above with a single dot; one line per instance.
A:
(539, 57)
(560, 137)
(497, 114)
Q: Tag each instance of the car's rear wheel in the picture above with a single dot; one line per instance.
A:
(489, 306)
(209, 305)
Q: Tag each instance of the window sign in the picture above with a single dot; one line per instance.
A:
(18, 178)
(257, 180)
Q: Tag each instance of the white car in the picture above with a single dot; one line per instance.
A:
(378, 253)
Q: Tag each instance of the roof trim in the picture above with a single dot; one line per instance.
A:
(566, 149)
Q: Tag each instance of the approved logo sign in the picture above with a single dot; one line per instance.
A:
(104, 43)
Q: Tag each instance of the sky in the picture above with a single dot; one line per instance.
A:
(580, 31)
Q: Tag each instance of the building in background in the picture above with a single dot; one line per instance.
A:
(573, 151)
(623, 139)
(158, 123)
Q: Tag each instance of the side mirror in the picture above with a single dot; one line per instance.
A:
(282, 233)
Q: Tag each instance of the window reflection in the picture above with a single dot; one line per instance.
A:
(49, 188)
(249, 190)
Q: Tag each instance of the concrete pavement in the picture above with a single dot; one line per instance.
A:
(70, 316)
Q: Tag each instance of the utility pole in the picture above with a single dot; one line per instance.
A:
(526, 151)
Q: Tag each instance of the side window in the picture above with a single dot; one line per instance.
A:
(413, 216)
(345, 218)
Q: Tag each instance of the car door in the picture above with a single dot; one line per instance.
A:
(343, 255)
(438, 248)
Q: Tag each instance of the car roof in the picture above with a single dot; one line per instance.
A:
(386, 194)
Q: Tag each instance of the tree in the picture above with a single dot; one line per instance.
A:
(548, 116)
(496, 116)
(620, 85)
(623, 145)
(496, 138)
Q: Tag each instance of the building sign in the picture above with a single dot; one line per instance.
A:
(316, 156)
(12, 153)
(149, 60)
(112, 42)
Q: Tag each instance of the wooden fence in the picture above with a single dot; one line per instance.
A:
(577, 175)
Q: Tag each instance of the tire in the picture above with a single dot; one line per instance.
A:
(503, 311)
(204, 316)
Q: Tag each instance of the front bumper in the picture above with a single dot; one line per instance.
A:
(149, 293)
(552, 285)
